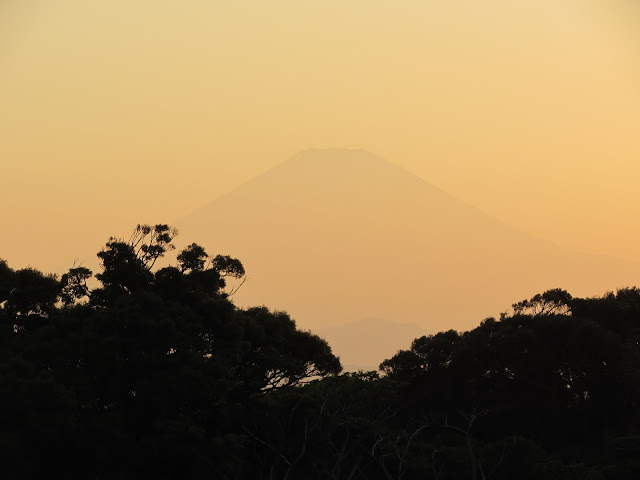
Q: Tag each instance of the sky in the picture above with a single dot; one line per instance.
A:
(115, 113)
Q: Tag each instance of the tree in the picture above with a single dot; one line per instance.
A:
(192, 258)
(126, 266)
(208, 278)
(147, 374)
(551, 302)
(160, 375)
(276, 354)
(5, 281)
(28, 292)
(74, 285)
(427, 353)
(151, 242)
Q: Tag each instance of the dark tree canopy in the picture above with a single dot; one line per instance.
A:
(28, 292)
(555, 301)
(192, 258)
(156, 374)
(134, 379)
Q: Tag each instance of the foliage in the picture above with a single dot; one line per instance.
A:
(157, 374)
(555, 301)
(136, 377)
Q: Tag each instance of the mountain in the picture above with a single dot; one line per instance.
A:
(335, 236)
(363, 344)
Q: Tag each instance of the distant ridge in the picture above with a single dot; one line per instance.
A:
(381, 339)
(334, 236)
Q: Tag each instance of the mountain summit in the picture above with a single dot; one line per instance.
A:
(335, 236)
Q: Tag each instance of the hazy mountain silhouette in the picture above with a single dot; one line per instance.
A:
(334, 236)
(361, 344)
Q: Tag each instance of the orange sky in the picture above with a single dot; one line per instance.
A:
(114, 113)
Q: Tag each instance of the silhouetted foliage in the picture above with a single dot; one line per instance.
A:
(140, 377)
(555, 301)
(157, 374)
(192, 258)
(74, 285)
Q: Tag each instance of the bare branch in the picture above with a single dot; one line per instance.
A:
(234, 290)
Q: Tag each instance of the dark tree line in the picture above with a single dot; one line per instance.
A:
(151, 372)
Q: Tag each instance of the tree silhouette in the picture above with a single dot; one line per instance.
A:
(157, 374)
(147, 366)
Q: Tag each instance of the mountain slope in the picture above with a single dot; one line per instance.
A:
(333, 236)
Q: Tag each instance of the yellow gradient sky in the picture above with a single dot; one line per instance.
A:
(118, 112)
